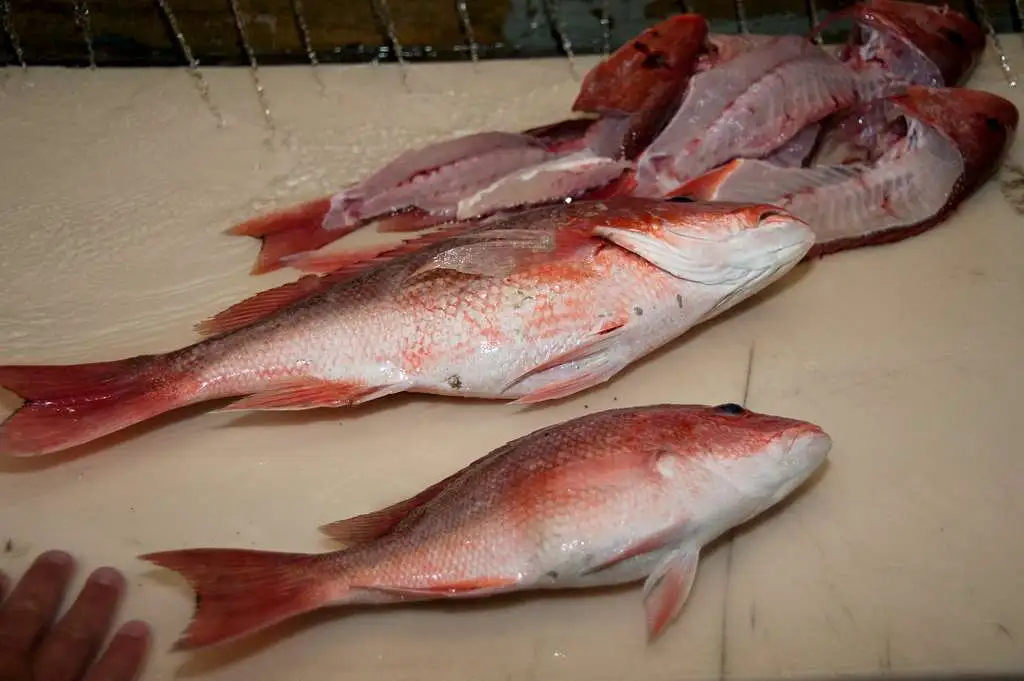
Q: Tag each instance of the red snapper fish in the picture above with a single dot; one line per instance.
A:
(634, 91)
(533, 306)
(609, 498)
(941, 144)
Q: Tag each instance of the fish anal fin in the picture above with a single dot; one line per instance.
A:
(596, 347)
(668, 588)
(480, 586)
(312, 393)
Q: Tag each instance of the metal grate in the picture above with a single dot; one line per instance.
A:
(238, 32)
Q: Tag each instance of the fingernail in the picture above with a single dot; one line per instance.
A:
(106, 576)
(56, 557)
(135, 629)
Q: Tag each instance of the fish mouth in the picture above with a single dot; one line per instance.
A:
(761, 256)
(807, 449)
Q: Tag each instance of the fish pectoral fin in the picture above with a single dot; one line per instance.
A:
(596, 348)
(312, 393)
(501, 252)
(668, 588)
(481, 586)
(645, 545)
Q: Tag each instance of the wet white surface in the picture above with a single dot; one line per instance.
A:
(115, 189)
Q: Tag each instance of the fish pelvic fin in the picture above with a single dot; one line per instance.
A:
(241, 591)
(69, 405)
(668, 588)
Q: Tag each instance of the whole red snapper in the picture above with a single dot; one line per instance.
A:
(609, 498)
(537, 305)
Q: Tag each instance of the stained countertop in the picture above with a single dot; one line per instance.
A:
(905, 556)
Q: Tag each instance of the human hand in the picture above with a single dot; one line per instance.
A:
(33, 648)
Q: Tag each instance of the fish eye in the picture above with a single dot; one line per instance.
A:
(993, 124)
(731, 408)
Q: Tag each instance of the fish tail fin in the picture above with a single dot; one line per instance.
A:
(68, 405)
(241, 591)
(297, 229)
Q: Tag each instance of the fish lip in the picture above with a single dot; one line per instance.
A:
(792, 239)
(807, 447)
(818, 443)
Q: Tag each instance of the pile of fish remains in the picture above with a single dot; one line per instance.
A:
(702, 169)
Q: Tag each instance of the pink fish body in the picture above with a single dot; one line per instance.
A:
(534, 306)
(751, 106)
(609, 498)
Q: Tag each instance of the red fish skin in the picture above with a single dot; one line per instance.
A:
(613, 497)
(646, 78)
(947, 39)
(494, 313)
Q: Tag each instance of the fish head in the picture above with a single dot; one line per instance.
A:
(924, 44)
(742, 247)
(982, 125)
(734, 463)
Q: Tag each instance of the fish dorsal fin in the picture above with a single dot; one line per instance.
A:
(484, 252)
(375, 524)
(260, 306)
(343, 266)
(367, 527)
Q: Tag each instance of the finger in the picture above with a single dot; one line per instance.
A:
(72, 643)
(124, 657)
(34, 602)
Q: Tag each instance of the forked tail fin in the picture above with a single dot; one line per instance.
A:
(240, 591)
(69, 405)
(298, 229)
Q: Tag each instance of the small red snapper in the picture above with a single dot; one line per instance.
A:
(609, 498)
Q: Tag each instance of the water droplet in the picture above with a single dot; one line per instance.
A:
(12, 35)
(253, 65)
(384, 15)
(82, 19)
(467, 26)
(553, 10)
(300, 19)
(193, 64)
(986, 21)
